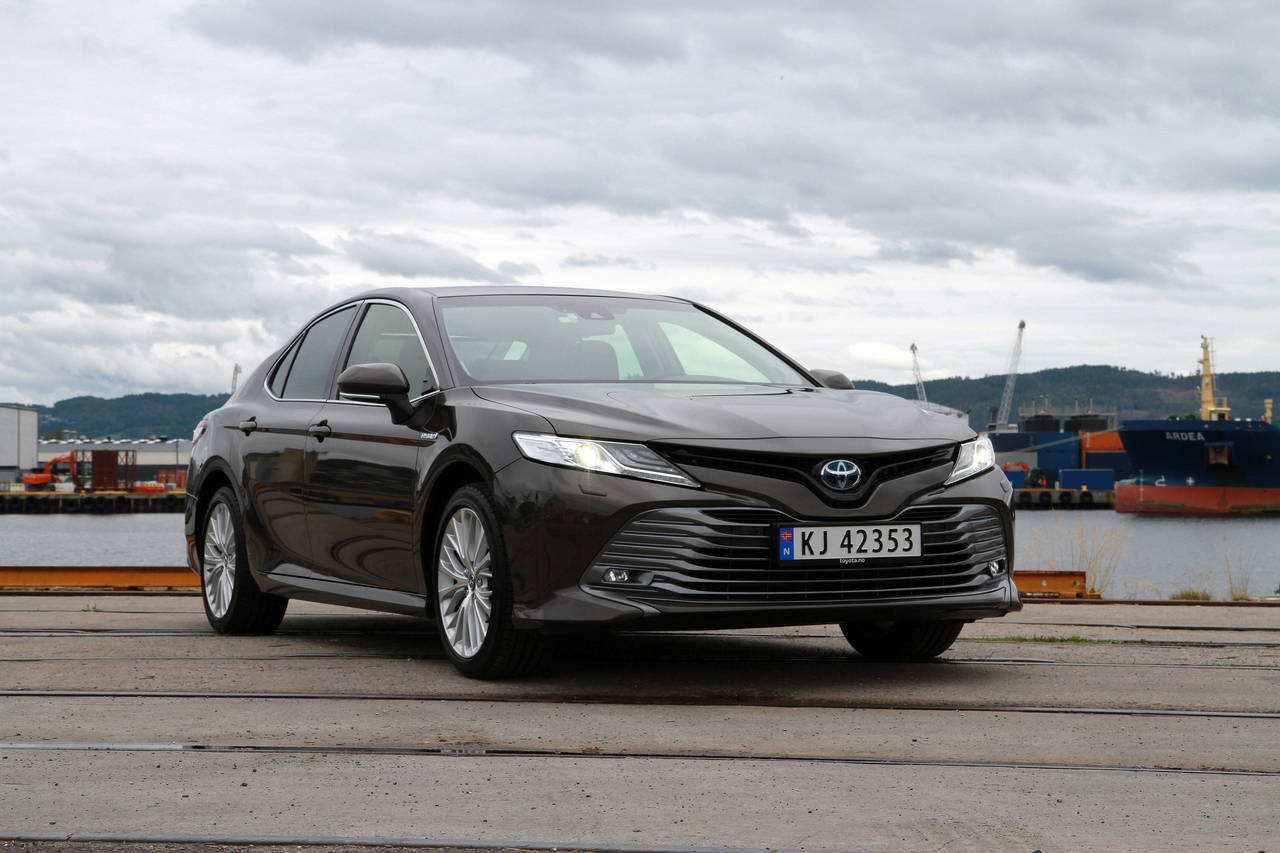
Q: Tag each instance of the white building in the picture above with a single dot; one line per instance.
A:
(19, 431)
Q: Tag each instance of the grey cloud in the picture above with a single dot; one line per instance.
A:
(411, 257)
(790, 229)
(302, 29)
(933, 252)
(516, 269)
(595, 260)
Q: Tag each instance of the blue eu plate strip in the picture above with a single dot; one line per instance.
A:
(786, 543)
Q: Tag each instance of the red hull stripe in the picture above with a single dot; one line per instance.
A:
(1197, 500)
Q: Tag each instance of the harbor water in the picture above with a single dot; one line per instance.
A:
(1136, 556)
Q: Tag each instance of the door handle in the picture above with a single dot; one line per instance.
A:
(248, 426)
(320, 431)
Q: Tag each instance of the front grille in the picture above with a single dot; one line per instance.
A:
(805, 468)
(692, 556)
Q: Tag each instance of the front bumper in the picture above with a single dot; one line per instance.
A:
(577, 609)
(704, 559)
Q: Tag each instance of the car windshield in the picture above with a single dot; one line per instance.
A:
(571, 338)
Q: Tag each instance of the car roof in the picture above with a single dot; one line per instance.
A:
(419, 292)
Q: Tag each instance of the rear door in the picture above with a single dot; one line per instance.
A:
(273, 449)
(363, 477)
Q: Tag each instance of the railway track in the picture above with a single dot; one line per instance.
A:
(624, 699)
(605, 755)
(747, 658)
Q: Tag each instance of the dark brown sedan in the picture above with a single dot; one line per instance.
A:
(519, 462)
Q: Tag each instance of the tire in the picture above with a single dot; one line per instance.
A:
(469, 574)
(901, 640)
(233, 603)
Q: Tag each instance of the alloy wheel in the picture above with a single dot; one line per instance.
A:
(464, 582)
(219, 560)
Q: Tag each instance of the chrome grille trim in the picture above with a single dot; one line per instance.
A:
(721, 556)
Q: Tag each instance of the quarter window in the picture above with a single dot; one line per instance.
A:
(387, 335)
(309, 372)
(282, 369)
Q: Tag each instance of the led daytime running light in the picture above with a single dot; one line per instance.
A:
(975, 457)
(622, 459)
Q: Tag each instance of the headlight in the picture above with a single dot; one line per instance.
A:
(975, 457)
(607, 457)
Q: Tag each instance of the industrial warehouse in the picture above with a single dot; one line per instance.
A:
(85, 475)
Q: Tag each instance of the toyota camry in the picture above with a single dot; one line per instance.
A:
(519, 463)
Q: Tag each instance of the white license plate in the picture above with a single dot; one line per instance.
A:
(858, 543)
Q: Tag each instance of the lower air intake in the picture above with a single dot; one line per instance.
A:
(701, 557)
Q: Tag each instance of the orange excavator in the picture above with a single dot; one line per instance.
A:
(44, 479)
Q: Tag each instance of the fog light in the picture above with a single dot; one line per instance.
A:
(995, 568)
(617, 576)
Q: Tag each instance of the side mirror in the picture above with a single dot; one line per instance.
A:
(832, 379)
(380, 382)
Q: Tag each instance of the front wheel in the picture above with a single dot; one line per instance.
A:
(473, 594)
(901, 640)
(232, 601)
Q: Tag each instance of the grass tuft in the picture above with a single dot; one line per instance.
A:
(1080, 548)
(1238, 566)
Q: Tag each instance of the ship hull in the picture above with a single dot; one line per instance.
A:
(1201, 468)
(1196, 500)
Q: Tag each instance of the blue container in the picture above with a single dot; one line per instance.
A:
(1094, 479)
(1017, 478)
(1004, 442)
(1057, 462)
(1117, 461)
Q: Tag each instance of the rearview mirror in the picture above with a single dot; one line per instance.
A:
(380, 382)
(832, 379)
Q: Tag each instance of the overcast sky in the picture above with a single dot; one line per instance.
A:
(181, 184)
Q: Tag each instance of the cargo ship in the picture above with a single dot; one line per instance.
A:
(1215, 465)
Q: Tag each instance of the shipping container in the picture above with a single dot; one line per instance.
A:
(1093, 479)
(1117, 462)
(1017, 478)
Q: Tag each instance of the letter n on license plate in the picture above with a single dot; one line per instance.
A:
(860, 542)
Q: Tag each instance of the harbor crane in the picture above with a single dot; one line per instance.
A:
(915, 366)
(1006, 401)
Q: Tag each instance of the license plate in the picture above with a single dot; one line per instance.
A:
(858, 543)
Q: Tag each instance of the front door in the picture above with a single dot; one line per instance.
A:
(363, 478)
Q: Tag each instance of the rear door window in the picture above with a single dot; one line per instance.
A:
(309, 373)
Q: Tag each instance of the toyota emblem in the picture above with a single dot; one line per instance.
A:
(841, 474)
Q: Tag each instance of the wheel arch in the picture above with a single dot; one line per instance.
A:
(447, 479)
(215, 476)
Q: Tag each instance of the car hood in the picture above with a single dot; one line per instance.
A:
(696, 414)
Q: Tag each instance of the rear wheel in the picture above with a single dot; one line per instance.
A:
(473, 594)
(901, 640)
(232, 601)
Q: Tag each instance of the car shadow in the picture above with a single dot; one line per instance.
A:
(812, 667)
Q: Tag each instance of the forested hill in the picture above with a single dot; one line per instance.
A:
(133, 416)
(1133, 393)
